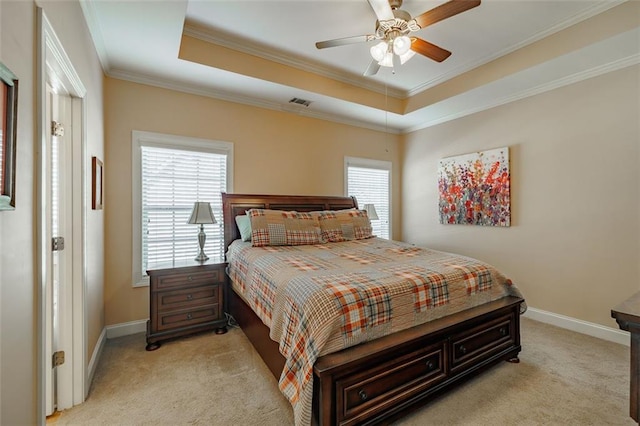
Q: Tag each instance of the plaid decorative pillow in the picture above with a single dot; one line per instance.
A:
(283, 228)
(344, 225)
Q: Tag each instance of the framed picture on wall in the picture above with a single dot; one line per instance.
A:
(8, 133)
(475, 188)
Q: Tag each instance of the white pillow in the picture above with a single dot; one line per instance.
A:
(244, 226)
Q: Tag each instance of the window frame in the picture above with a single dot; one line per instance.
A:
(369, 163)
(160, 140)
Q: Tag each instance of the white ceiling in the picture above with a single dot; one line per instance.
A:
(139, 40)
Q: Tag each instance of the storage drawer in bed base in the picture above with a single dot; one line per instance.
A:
(406, 370)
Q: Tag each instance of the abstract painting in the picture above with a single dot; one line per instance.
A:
(475, 188)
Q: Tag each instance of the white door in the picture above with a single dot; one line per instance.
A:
(59, 277)
(61, 208)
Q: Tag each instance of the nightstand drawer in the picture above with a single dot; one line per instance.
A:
(188, 317)
(188, 298)
(190, 278)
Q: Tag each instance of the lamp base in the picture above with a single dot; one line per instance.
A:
(201, 240)
(201, 257)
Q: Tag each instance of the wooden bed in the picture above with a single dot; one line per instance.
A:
(381, 380)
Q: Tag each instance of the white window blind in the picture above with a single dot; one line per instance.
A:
(170, 173)
(172, 180)
(369, 182)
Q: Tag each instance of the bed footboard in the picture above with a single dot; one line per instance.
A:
(384, 379)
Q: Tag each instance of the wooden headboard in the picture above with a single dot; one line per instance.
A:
(237, 204)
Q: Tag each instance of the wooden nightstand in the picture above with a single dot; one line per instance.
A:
(184, 298)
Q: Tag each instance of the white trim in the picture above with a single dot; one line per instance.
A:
(82, 381)
(372, 164)
(140, 138)
(290, 60)
(93, 24)
(465, 67)
(367, 162)
(97, 353)
(54, 65)
(228, 96)
(126, 328)
(562, 321)
(579, 326)
(532, 91)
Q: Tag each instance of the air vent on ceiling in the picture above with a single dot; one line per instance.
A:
(299, 101)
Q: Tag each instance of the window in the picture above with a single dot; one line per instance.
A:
(370, 182)
(170, 174)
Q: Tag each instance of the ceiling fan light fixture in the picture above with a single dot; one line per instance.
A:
(387, 60)
(406, 56)
(379, 51)
(401, 45)
(392, 30)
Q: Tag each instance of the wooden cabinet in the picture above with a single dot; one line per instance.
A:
(186, 298)
(627, 315)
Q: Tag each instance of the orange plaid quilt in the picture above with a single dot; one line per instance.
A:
(318, 299)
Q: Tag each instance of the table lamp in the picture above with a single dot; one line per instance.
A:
(200, 215)
(371, 211)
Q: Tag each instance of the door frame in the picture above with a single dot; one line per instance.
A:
(53, 64)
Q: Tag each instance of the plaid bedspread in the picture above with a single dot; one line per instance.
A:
(318, 299)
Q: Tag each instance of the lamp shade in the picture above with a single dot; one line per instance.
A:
(202, 213)
(406, 56)
(401, 45)
(371, 211)
(379, 50)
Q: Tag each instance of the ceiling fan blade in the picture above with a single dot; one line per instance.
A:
(343, 41)
(382, 9)
(445, 11)
(372, 69)
(429, 50)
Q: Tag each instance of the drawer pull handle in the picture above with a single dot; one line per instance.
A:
(190, 278)
(503, 331)
(429, 365)
(363, 395)
(463, 350)
(189, 297)
(189, 316)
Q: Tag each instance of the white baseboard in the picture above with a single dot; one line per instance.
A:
(126, 328)
(579, 326)
(93, 362)
(569, 323)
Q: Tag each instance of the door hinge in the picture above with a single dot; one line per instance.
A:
(57, 243)
(57, 129)
(58, 358)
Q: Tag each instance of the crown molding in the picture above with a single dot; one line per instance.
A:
(275, 55)
(589, 13)
(246, 100)
(276, 106)
(93, 23)
(555, 84)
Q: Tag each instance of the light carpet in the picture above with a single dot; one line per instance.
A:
(564, 378)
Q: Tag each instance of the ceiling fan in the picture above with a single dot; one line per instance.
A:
(393, 27)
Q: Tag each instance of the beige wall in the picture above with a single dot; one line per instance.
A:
(17, 232)
(274, 152)
(18, 269)
(574, 244)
